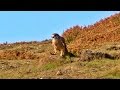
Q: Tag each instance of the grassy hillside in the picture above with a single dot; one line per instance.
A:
(97, 50)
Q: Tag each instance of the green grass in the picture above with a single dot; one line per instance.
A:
(49, 66)
(104, 68)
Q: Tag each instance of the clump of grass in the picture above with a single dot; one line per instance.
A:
(114, 73)
(49, 66)
(55, 63)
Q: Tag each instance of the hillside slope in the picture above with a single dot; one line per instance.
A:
(34, 61)
(93, 36)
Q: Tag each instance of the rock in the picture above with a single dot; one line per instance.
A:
(86, 55)
(59, 73)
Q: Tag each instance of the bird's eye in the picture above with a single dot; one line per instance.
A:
(52, 36)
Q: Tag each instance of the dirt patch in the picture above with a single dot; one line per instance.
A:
(16, 55)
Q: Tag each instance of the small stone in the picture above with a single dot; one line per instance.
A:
(59, 73)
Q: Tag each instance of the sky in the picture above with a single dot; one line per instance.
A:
(17, 26)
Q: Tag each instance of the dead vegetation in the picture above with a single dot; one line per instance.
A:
(93, 36)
